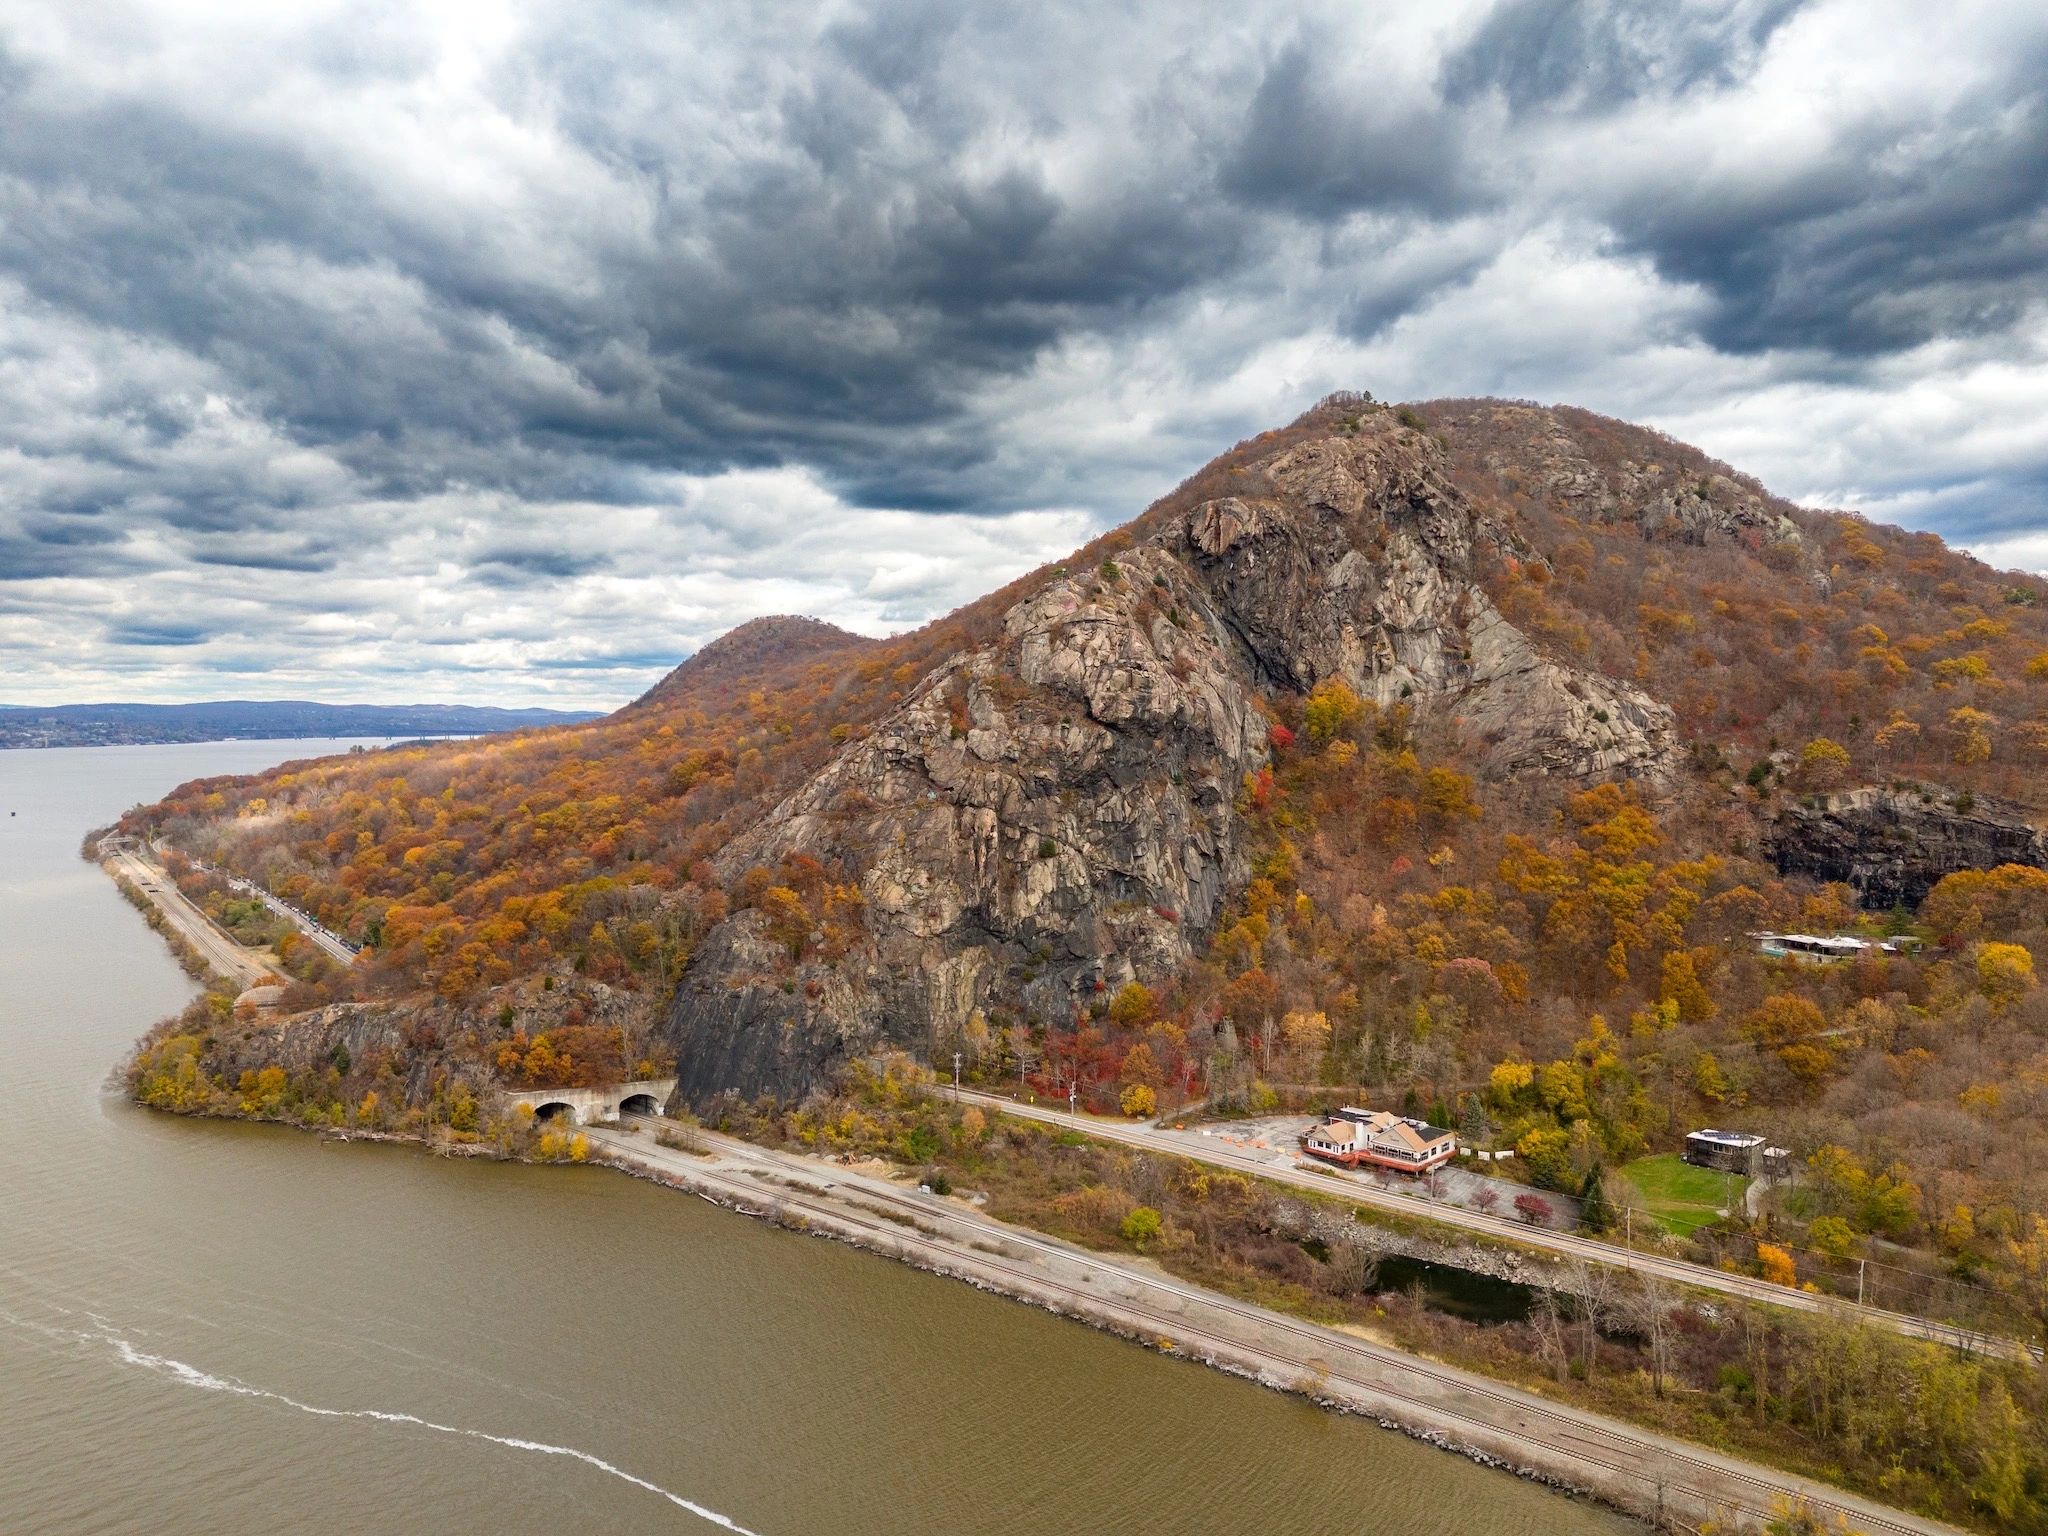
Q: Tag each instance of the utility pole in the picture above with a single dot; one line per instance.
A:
(956, 1077)
(1862, 1265)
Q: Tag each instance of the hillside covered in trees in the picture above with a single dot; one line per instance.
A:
(1445, 755)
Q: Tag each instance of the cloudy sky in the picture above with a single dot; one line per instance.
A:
(507, 352)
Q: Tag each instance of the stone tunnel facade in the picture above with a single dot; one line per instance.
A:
(581, 1106)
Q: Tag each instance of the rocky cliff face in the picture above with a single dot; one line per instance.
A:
(1054, 813)
(1895, 845)
(1672, 492)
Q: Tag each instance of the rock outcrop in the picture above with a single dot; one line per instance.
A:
(1670, 498)
(1895, 845)
(1055, 812)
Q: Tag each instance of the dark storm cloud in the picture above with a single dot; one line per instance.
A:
(1897, 240)
(452, 332)
(26, 557)
(1318, 145)
(1594, 54)
(533, 567)
(253, 561)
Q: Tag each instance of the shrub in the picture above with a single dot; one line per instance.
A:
(1832, 1236)
(1097, 1208)
(1776, 1264)
(1141, 1225)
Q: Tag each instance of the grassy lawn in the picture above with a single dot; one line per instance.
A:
(1680, 1196)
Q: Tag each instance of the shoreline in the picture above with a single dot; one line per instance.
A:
(1669, 1483)
(1672, 1484)
(862, 1241)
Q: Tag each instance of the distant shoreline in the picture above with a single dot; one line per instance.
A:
(156, 725)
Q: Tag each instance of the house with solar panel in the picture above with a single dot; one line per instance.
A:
(1374, 1138)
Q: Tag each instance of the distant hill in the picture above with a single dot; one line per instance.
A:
(758, 648)
(99, 725)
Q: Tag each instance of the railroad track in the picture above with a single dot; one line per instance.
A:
(1568, 1245)
(1571, 1436)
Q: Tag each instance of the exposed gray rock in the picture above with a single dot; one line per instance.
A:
(1054, 813)
(1665, 502)
(1895, 845)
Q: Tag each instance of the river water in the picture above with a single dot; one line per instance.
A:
(217, 1328)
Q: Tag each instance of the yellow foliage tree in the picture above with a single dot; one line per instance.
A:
(2005, 972)
(1331, 709)
(1972, 729)
(1509, 1080)
(1777, 1264)
(1823, 764)
(1133, 1006)
(1897, 736)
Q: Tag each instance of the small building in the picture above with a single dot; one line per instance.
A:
(1730, 1151)
(1378, 1139)
(1826, 949)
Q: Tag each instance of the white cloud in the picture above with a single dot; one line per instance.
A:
(509, 351)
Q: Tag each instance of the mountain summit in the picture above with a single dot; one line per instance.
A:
(1392, 744)
(1054, 813)
(758, 648)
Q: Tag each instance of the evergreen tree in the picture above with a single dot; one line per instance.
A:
(1474, 1125)
(1596, 1214)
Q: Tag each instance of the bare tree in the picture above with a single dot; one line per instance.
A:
(1354, 1269)
(1547, 1318)
(1023, 1048)
(1649, 1309)
(1592, 1292)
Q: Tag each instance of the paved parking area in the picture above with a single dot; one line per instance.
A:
(1278, 1138)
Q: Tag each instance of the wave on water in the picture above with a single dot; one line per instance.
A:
(192, 1376)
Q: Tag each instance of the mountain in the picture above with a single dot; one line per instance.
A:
(90, 725)
(1450, 752)
(758, 649)
(1060, 811)
(1054, 813)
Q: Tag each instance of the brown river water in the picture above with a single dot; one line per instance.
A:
(218, 1328)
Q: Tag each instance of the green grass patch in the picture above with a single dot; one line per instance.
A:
(1680, 1196)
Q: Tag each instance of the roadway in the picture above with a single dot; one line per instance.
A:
(227, 959)
(1639, 1468)
(1282, 1168)
(330, 941)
